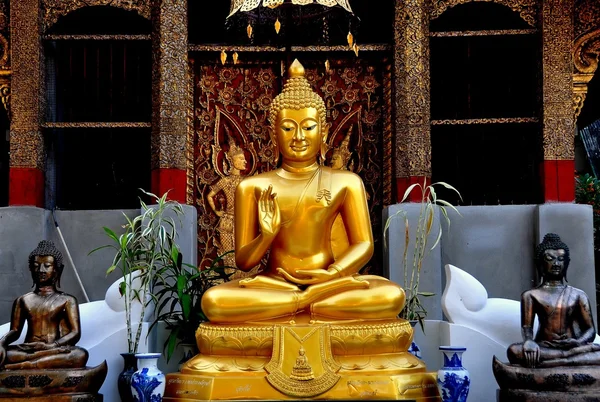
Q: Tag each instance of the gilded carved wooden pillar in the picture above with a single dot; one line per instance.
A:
(170, 97)
(412, 98)
(26, 141)
(558, 114)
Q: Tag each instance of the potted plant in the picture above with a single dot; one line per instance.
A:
(411, 268)
(178, 293)
(142, 251)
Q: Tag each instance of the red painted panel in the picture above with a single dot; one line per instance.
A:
(26, 187)
(403, 183)
(558, 180)
(172, 180)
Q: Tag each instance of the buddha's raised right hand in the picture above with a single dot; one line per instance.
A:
(269, 216)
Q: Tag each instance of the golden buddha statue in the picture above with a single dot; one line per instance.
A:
(310, 304)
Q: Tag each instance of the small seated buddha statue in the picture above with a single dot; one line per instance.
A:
(53, 330)
(309, 319)
(563, 344)
(302, 370)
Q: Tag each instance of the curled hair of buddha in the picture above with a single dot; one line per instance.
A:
(551, 241)
(47, 248)
(297, 94)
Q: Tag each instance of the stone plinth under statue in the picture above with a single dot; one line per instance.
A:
(560, 362)
(48, 366)
(309, 326)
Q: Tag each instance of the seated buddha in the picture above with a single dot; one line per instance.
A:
(49, 360)
(52, 318)
(289, 212)
(308, 325)
(563, 345)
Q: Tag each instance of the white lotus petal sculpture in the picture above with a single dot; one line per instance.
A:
(465, 302)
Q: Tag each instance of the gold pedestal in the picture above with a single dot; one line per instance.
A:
(303, 359)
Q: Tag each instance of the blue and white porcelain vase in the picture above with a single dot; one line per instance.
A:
(148, 382)
(453, 379)
(414, 348)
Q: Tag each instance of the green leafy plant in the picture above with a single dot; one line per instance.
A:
(587, 191)
(413, 309)
(179, 290)
(145, 248)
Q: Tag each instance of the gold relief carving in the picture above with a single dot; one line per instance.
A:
(169, 85)
(580, 88)
(315, 48)
(52, 10)
(4, 53)
(230, 109)
(229, 364)
(384, 338)
(98, 124)
(587, 16)
(26, 142)
(388, 130)
(288, 342)
(189, 146)
(97, 37)
(491, 32)
(5, 95)
(527, 9)
(586, 52)
(559, 114)
(491, 120)
(26, 149)
(412, 90)
(346, 340)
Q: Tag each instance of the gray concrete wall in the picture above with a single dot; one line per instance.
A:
(496, 245)
(21, 228)
(431, 274)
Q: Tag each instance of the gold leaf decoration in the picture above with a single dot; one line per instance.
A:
(277, 25)
(223, 57)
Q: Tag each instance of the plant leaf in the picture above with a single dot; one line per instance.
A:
(408, 190)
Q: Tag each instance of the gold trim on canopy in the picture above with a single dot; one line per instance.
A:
(249, 5)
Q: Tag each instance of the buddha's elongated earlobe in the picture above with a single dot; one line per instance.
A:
(323, 152)
(324, 146)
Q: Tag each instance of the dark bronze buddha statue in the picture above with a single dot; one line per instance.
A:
(48, 365)
(52, 318)
(561, 354)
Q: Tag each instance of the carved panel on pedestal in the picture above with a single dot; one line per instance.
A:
(231, 104)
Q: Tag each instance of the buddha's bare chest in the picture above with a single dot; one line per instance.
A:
(554, 305)
(49, 309)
